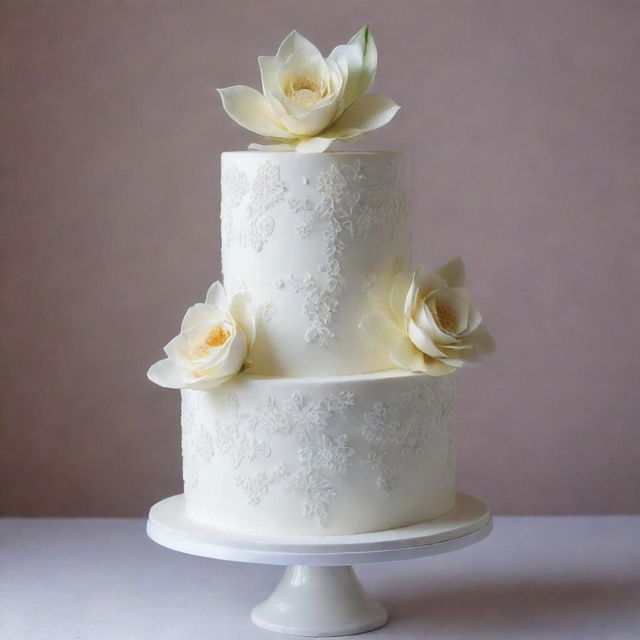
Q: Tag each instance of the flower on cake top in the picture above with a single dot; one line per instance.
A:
(429, 322)
(308, 101)
(213, 343)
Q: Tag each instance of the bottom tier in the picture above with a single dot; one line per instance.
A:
(319, 456)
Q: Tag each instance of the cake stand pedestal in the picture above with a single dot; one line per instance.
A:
(319, 594)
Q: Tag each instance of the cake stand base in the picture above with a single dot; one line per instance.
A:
(319, 594)
(319, 601)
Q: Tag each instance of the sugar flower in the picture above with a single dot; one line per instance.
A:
(308, 101)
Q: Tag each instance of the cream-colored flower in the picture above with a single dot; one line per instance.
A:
(431, 324)
(308, 101)
(212, 346)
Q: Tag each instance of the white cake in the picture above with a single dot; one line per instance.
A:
(315, 381)
(307, 238)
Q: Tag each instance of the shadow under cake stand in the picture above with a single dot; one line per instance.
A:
(320, 594)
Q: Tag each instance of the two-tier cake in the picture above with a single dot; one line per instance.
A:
(316, 398)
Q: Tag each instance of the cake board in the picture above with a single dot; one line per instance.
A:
(320, 594)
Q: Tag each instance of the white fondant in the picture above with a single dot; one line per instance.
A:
(300, 234)
(319, 456)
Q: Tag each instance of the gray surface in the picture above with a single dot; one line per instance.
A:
(552, 578)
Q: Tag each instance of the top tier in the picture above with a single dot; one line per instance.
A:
(307, 237)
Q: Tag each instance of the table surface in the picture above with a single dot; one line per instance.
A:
(551, 578)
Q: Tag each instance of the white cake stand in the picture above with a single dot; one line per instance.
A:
(319, 594)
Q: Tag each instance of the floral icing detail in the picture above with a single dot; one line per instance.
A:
(233, 186)
(304, 209)
(258, 485)
(350, 204)
(267, 188)
(266, 311)
(249, 225)
(242, 437)
(384, 433)
(309, 101)
(382, 424)
(407, 428)
(386, 199)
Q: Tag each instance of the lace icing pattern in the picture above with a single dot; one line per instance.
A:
(350, 205)
(406, 428)
(390, 431)
(261, 194)
(241, 437)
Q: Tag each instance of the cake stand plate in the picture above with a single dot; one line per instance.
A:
(319, 594)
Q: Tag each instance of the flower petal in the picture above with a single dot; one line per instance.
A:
(479, 345)
(166, 374)
(217, 296)
(435, 367)
(398, 295)
(311, 122)
(235, 356)
(204, 381)
(269, 72)
(429, 281)
(251, 110)
(197, 314)
(358, 61)
(474, 320)
(177, 350)
(370, 111)
(364, 40)
(423, 341)
(410, 302)
(483, 343)
(378, 329)
(313, 145)
(345, 134)
(405, 355)
(348, 59)
(243, 313)
(254, 146)
(296, 44)
(453, 272)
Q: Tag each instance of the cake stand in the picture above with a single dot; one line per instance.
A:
(319, 594)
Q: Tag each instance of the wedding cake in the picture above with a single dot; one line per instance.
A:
(316, 381)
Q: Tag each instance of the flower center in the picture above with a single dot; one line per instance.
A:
(446, 318)
(305, 91)
(217, 337)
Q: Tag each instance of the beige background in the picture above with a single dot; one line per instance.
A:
(521, 121)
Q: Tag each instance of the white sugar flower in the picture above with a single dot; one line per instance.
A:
(431, 324)
(308, 101)
(212, 346)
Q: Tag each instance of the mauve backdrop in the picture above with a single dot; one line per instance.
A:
(521, 123)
